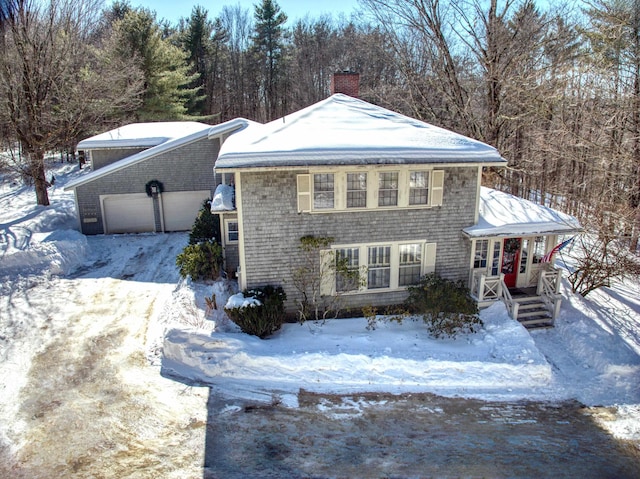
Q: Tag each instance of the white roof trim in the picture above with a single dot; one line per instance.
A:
(142, 135)
(210, 133)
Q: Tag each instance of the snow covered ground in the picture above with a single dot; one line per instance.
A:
(69, 303)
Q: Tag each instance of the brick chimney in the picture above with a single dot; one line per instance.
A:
(346, 82)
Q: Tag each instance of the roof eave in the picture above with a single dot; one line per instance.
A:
(500, 232)
(263, 164)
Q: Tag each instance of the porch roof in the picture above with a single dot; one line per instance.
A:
(502, 214)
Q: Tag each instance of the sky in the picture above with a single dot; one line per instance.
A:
(173, 10)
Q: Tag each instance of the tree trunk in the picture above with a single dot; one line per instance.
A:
(39, 179)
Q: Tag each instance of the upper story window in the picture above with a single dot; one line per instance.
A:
(388, 189)
(376, 188)
(323, 191)
(419, 188)
(356, 190)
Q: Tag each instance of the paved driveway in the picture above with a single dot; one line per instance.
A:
(412, 436)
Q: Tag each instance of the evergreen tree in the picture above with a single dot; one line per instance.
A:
(268, 47)
(165, 68)
(53, 83)
(203, 41)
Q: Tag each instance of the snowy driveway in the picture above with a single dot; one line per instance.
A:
(78, 397)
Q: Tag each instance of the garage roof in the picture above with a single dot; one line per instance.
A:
(142, 134)
(167, 145)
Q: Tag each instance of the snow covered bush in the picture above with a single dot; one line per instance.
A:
(259, 312)
(201, 261)
(446, 306)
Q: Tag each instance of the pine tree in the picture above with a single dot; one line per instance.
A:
(268, 47)
(164, 65)
(203, 40)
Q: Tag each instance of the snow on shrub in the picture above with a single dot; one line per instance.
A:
(259, 312)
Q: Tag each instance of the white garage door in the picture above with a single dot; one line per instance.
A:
(180, 208)
(128, 213)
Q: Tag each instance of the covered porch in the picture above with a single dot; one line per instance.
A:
(512, 254)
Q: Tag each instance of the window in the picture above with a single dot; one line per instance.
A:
(356, 190)
(365, 268)
(419, 188)
(323, 192)
(232, 231)
(410, 264)
(348, 269)
(538, 249)
(480, 256)
(342, 190)
(495, 264)
(379, 267)
(524, 252)
(388, 189)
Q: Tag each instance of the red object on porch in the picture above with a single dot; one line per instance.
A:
(511, 260)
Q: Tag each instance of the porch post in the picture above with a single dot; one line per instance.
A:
(481, 287)
(558, 280)
(541, 277)
(500, 285)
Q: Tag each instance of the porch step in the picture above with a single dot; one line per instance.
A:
(537, 322)
(532, 313)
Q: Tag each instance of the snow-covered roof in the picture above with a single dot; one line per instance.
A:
(342, 130)
(502, 214)
(208, 132)
(142, 135)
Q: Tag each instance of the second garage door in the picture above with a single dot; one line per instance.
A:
(180, 208)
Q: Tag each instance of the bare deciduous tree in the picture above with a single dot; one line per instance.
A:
(53, 85)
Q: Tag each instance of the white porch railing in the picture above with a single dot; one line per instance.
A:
(549, 289)
(512, 306)
(486, 288)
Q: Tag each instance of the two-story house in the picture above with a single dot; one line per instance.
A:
(398, 197)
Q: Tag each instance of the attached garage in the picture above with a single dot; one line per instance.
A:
(117, 197)
(180, 208)
(132, 213)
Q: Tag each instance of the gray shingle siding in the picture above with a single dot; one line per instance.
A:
(188, 168)
(272, 228)
(103, 157)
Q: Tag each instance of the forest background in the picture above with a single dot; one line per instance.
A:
(556, 88)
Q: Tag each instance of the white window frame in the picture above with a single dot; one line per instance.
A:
(227, 230)
(428, 264)
(366, 189)
(306, 194)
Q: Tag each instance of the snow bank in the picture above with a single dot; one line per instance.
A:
(342, 356)
(58, 253)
